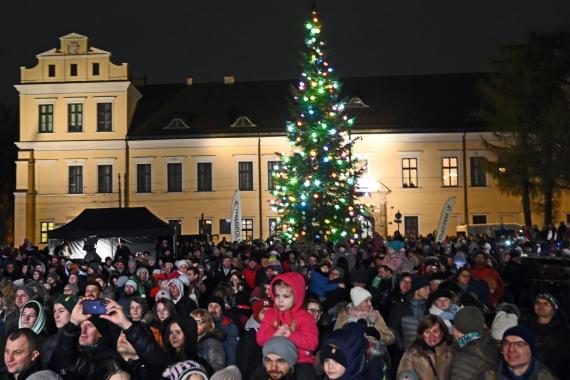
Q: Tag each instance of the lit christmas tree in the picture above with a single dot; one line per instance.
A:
(315, 187)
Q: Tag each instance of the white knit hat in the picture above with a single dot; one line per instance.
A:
(501, 323)
(358, 294)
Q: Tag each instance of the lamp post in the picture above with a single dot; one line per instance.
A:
(398, 219)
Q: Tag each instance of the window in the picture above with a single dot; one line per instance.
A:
(46, 118)
(479, 219)
(450, 171)
(174, 177)
(205, 226)
(272, 166)
(177, 224)
(225, 226)
(272, 226)
(104, 178)
(411, 225)
(51, 71)
(95, 68)
(567, 218)
(44, 228)
(204, 176)
(75, 117)
(478, 177)
(409, 172)
(144, 178)
(76, 180)
(247, 229)
(245, 173)
(104, 117)
(73, 69)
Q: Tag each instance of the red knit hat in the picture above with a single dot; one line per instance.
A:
(260, 304)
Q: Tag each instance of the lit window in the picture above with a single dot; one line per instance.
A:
(409, 172)
(450, 171)
(44, 228)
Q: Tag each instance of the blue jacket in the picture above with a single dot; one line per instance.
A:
(321, 285)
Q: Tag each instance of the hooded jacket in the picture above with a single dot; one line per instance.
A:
(304, 331)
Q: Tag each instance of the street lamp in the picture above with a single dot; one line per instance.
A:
(398, 219)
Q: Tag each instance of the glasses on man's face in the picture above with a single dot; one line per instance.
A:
(518, 344)
(314, 311)
(200, 322)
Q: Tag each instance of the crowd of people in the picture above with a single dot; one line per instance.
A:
(376, 309)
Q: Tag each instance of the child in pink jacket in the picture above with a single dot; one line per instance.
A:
(288, 318)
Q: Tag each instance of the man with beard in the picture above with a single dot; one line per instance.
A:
(279, 358)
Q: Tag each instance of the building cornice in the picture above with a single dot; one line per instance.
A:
(71, 88)
(71, 145)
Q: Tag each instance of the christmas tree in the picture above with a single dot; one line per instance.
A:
(315, 186)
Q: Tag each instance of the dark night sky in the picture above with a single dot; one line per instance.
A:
(260, 39)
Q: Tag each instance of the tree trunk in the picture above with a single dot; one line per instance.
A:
(526, 204)
(548, 204)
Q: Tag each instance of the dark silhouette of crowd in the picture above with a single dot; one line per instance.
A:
(475, 308)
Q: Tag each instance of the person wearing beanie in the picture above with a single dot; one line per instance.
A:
(217, 310)
(519, 357)
(229, 373)
(185, 370)
(248, 363)
(279, 358)
(443, 307)
(343, 352)
(361, 308)
(501, 323)
(552, 333)
(62, 308)
(85, 347)
(474, 351)
(289, 318)
(430, 355)
(405, 317)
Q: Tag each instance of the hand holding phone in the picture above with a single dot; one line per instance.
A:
(95, 307)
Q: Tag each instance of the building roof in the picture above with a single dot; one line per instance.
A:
(388, 104)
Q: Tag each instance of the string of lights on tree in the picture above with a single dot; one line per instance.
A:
(315, 186)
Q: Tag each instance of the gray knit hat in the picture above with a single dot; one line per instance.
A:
(469, 319)
(282, 347)
(229, 373)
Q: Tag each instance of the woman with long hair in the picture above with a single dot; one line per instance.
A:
(162, 312)
(430, 355)
(181, 343)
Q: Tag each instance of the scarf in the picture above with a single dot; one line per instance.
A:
(462, 342)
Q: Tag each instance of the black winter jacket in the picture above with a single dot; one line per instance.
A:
(152, 358)
(73, 361)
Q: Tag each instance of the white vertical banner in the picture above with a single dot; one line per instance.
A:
(236, 217)
(444, 219)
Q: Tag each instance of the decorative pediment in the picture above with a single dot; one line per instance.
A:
(176, 123)
(242, 121)
(356, 102)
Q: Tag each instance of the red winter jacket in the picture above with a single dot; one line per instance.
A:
(304, 331)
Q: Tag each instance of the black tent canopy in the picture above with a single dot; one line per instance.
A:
(112, 222)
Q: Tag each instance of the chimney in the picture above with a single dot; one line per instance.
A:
(230, 79)
(188, 81)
